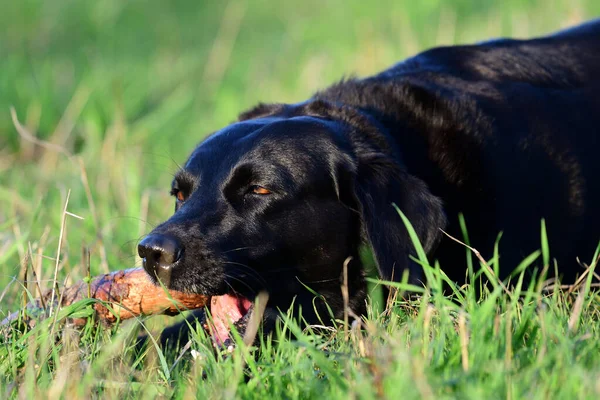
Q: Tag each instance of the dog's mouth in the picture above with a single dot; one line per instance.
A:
(226, 311)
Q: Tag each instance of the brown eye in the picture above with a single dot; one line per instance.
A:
(260, 190)
(178, 194)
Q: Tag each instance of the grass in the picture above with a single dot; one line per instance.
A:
(124, 90)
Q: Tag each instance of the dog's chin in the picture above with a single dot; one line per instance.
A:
(226, 311)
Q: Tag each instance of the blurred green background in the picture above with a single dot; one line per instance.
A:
(125, 89)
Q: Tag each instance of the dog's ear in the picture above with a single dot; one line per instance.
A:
(380, 183)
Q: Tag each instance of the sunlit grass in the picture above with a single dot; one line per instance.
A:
(528, 341)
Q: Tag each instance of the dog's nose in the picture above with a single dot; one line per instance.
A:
(159, 253)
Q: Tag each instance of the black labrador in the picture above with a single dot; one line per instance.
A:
(505, 132)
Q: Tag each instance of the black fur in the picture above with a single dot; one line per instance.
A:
(505, 132)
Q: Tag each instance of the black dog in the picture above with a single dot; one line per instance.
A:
(505, 132)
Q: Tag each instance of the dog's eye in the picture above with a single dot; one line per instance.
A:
(259, 190)
(178, 194)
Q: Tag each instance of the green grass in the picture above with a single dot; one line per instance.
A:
(126, 89)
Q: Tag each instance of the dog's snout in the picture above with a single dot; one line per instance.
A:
(159, 253)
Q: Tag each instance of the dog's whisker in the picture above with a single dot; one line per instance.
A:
(324, 280)
(229, 284)
(245, 284)
(250, 273)
(238, 249)
(277, 270)
(244, 266)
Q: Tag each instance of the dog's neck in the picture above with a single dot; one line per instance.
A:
(417, 124)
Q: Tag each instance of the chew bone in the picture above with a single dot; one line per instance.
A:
(129, 293)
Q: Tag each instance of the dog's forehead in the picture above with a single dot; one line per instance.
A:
(265, 138)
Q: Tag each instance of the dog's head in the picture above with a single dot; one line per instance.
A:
(278, 202)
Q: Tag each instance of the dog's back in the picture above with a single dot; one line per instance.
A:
(506, 132)
(568, 58)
